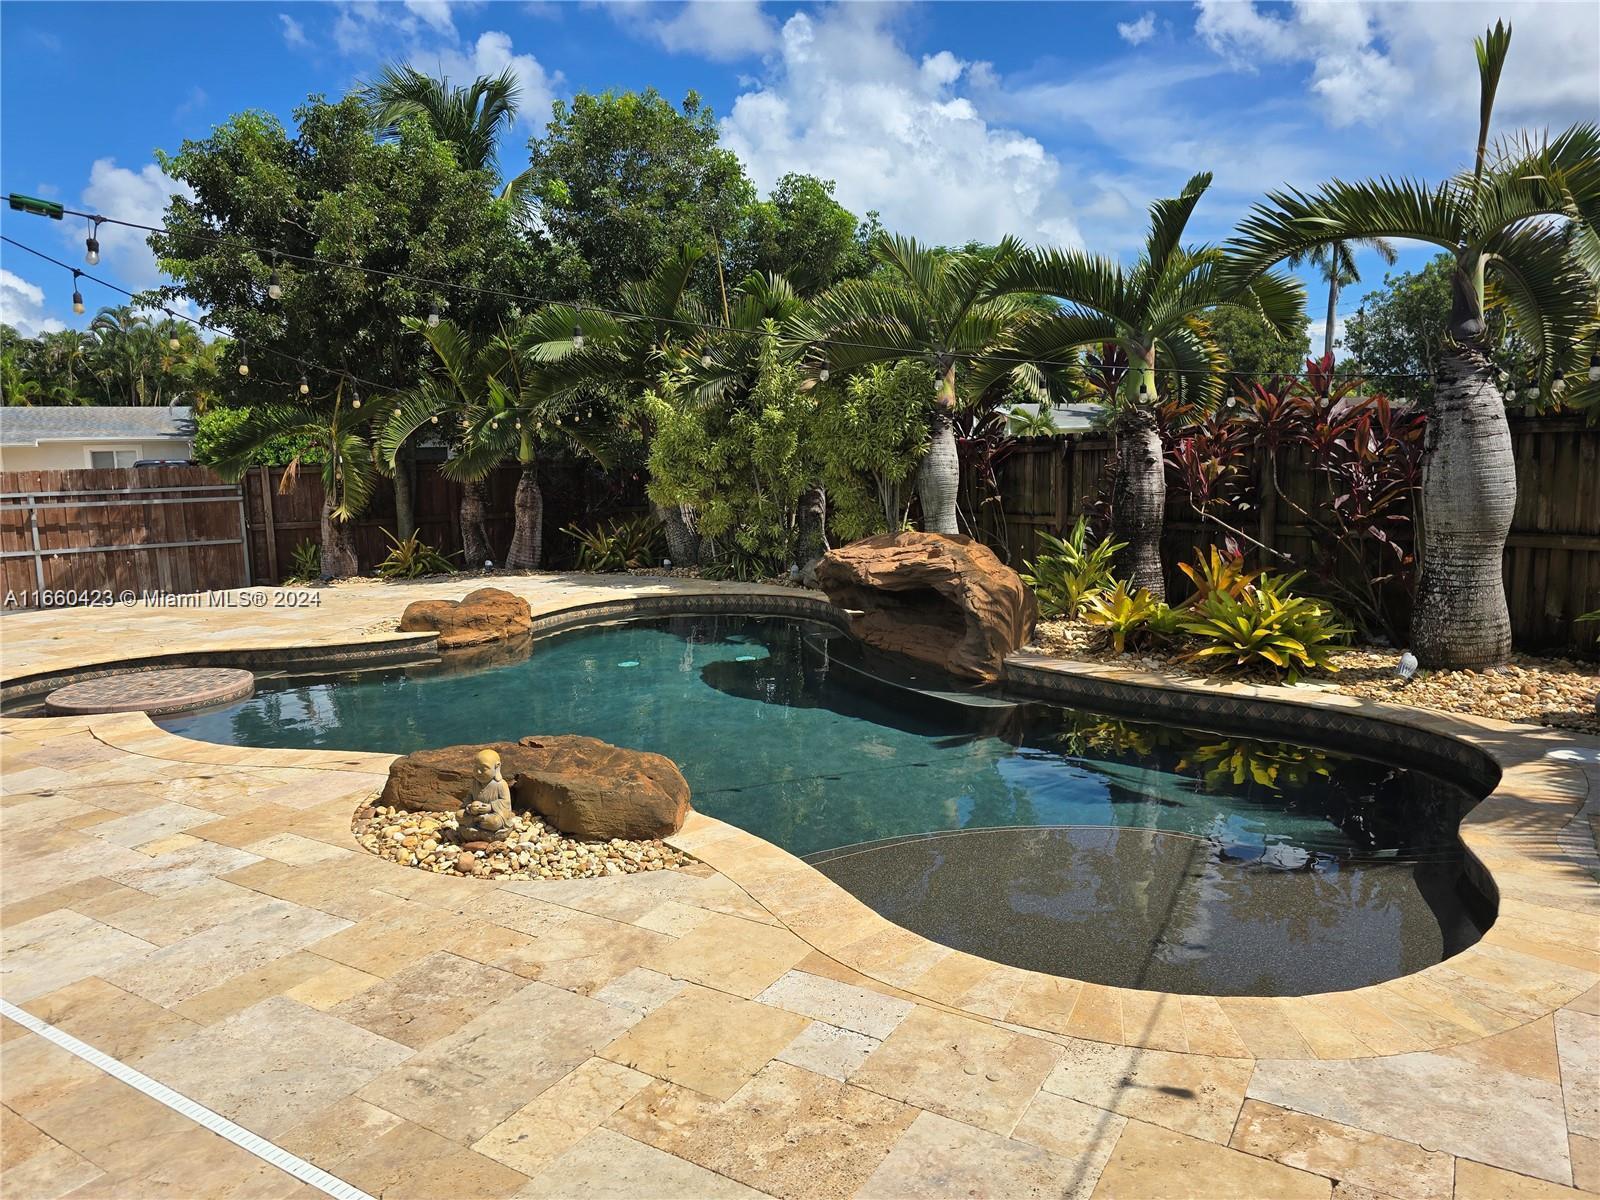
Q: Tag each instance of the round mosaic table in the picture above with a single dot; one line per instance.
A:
(153, 692)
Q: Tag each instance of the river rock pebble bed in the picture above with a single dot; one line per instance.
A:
(1539, 691)
(532, 850)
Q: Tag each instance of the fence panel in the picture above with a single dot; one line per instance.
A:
(1552, 558)
(138, 530)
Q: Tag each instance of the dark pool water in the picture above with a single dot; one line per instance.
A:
(1122, 852)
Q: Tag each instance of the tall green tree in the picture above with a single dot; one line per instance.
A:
(621, 180)
(1396, 337)
(1523, 229)
(936, 306)
(1156, 312)
(1252, 349)
(1337, 262)
(268, 202)
(802, 233)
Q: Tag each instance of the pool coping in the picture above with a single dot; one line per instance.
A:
(1525, 836)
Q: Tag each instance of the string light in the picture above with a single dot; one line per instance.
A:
(305, 385)
(705, 358)
(355, 396)
(91, 253)
(577, 337)
(244, 361)
(173, 343)
(77, 296)
(274, 285)
(433, 420)
(1558, 382)
(433, 314)
(822, 371)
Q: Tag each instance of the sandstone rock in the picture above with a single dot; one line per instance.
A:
(938, 598)
(583, 786)
(486, 615)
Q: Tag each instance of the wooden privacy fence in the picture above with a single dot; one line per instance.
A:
(1552, 559)
(71, 537)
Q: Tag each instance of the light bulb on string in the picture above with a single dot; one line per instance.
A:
(244, 362)
(274, 285)
(91, 244)
(173, 343)
(1594, 367)
(355, 396)
(705, 358)
(77, 296)
(433, 315)
(305, 385)
(1558, 382)
(577, 337)
(822, 370)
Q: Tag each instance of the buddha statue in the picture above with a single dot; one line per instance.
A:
(486, 816)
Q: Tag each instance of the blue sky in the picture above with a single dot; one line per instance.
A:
(1056, 122)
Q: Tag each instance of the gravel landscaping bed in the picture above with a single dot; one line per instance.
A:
(533, 850)
(1538, 691)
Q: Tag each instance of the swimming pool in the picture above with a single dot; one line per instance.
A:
(1116, 851)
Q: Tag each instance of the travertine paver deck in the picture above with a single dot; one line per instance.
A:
(740, 1028)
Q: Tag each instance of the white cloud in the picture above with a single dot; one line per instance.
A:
(1314, 332)
(139, 196)
(1401, 66)
(435, 14)
(22, 306)
(844, 101)
(294, 33)
(1138, 32)
(721, 30)
(491, 54)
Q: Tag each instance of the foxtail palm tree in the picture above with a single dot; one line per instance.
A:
(1154, 311)
(1337, 262)
(941, 306)
(1523, 226)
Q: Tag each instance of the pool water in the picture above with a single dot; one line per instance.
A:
(1116, 851)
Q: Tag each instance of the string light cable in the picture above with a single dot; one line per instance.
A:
(304, 364)
(706, 328)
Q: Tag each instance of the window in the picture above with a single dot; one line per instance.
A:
(105, 460)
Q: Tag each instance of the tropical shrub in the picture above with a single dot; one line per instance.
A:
(1122, 614)
(305, 563)
(411, 559)
(618, 545)
(1265, 623)
(869, 436)
(1070, 571)
(216, 429)
(1215, 571)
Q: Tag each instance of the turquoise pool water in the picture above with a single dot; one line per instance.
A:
(1258, 867)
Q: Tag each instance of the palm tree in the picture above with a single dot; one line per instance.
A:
(486, 394)
(588, 356)
(933, 304)
(339, 431)
(1154, 312)
(469, 118)
(1337, 262)
(1524, 228)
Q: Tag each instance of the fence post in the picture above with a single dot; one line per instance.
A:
(244, 538)
(265, 474)
(38, 555)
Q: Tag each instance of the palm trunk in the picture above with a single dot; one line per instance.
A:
(1333, 308)
(405, 511)
(1469, 489)
(527, 538)
(683, 543)
(474, 540)
(939, 475)
(811, 526)
(1139, 500)
(338, 543)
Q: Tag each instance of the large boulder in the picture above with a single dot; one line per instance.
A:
(938, 598)
(584, 787)
(486, 615)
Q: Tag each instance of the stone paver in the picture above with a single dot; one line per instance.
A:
(742, 1028)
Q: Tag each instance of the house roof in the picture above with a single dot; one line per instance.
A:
(34, 426)
(1070, 418)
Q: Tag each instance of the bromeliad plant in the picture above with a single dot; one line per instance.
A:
(1124, 615)
(1070, 571)
(1265, 623)
(617, 545)
(410, 558)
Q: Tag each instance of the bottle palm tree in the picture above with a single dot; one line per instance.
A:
(339, 430)
(1337, 262)
(1154, 312)
(1524, 228)
(942, 306)
(469, 118)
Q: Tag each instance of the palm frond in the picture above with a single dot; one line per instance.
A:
(1545, 291)
(1292, 221)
